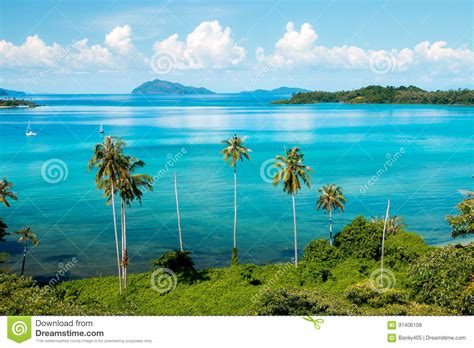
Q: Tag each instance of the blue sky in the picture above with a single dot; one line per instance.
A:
(227, 46)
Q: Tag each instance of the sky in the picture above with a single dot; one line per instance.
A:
(112, 46)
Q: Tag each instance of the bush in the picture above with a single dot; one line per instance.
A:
(361, 238)
(403, 248)
(22, 296)
(321, 252)
(301, 302)
(366, 293)
(442, 276)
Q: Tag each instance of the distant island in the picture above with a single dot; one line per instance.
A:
(280, 90)
(384, 95)
(166, 87)
(16, 103)
(10, 93)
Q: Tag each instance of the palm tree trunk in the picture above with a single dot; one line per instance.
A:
(124, 251)
(330, 228)
(116, 234)
(122, 227)
(25, 250)
(235, 206)
(294, 228)
(177, 213)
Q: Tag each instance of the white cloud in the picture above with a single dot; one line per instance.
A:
(34, 53)
(296, 48)
(208, 46)
(120, 39)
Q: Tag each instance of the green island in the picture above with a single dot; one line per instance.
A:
(384, 95)
(369, 267)
(17, 103)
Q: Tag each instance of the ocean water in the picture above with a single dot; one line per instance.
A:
(417, 156)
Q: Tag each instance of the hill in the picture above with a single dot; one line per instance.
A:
(281, 90)
(11, 93)
(165, 87)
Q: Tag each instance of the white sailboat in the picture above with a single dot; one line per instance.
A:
(101, 129)
(29, 132)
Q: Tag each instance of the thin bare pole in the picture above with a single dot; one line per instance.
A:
(387, 214)
(177, 213)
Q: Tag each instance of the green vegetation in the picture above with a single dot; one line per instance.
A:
(330, 280)
(16, 103)
(235, 151)
(384, 95)
(463, 223)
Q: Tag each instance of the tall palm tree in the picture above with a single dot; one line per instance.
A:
(233, 152)
(25, 236)
(331, 199)
(290, 171)
(110, 162)
(5, 192)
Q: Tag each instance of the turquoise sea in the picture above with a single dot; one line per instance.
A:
(417, 156)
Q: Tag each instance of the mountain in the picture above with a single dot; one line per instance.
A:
(166, 87)
(9, 93)
(280, 90)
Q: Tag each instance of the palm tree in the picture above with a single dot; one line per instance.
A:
(331, 199)
(5, 192)
(235, 151)
(110, 162)
(290, 171)
(26, 236)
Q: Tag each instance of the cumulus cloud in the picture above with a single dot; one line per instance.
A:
(208, 46)
(297, 48)
(117, 52)
(120, 39)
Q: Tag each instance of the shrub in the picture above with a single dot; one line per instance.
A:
(22, 296)
(441, 276)
(366, 293)
(403, 248)
(177, 261)
(301, 302)
(320, 251)
(361, 238)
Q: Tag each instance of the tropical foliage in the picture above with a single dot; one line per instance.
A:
(6, 193)
(463, 223)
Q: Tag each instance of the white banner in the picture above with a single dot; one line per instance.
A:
(227, 332)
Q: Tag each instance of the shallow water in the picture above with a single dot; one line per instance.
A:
(416, 155)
